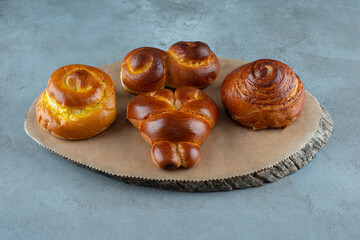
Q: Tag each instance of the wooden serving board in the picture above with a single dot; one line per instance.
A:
(233, 157)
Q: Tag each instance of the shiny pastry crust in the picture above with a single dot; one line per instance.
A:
(143, 70)
(175, 124)
(191, 64)
(263, 94)
(78, 103)
(184, 64)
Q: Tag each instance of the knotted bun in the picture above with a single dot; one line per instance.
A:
(191, 64)
(175, 124)
(184, 64)
(263, 94)
(78, 103)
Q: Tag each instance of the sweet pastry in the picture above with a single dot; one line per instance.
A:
(263, 94)
(175, 124)
(191, 64)
(184, 64)
(78, 103)
(143, 70)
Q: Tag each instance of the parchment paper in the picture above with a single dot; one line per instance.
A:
(230, 150)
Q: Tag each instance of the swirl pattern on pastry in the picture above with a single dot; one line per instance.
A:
(184, 64)
(78, 103)
(143, 70)
(263, 94)
(175, 124)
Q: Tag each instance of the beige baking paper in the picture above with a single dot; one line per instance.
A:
(230, 150)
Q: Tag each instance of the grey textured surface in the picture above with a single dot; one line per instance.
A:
(44, 196)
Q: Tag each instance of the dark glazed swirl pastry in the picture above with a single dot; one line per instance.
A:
(263, 94)
(143, 70)
(175, 124)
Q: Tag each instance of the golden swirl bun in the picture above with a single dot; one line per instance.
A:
(263, 94)
(143, 70)
(175, 124)
(191, 64)
(78, 103)
(184, 64)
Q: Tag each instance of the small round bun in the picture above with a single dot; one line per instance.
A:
(143, 70)
(185, 64)
(263, 94)
(78, 103)
(191, 64)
